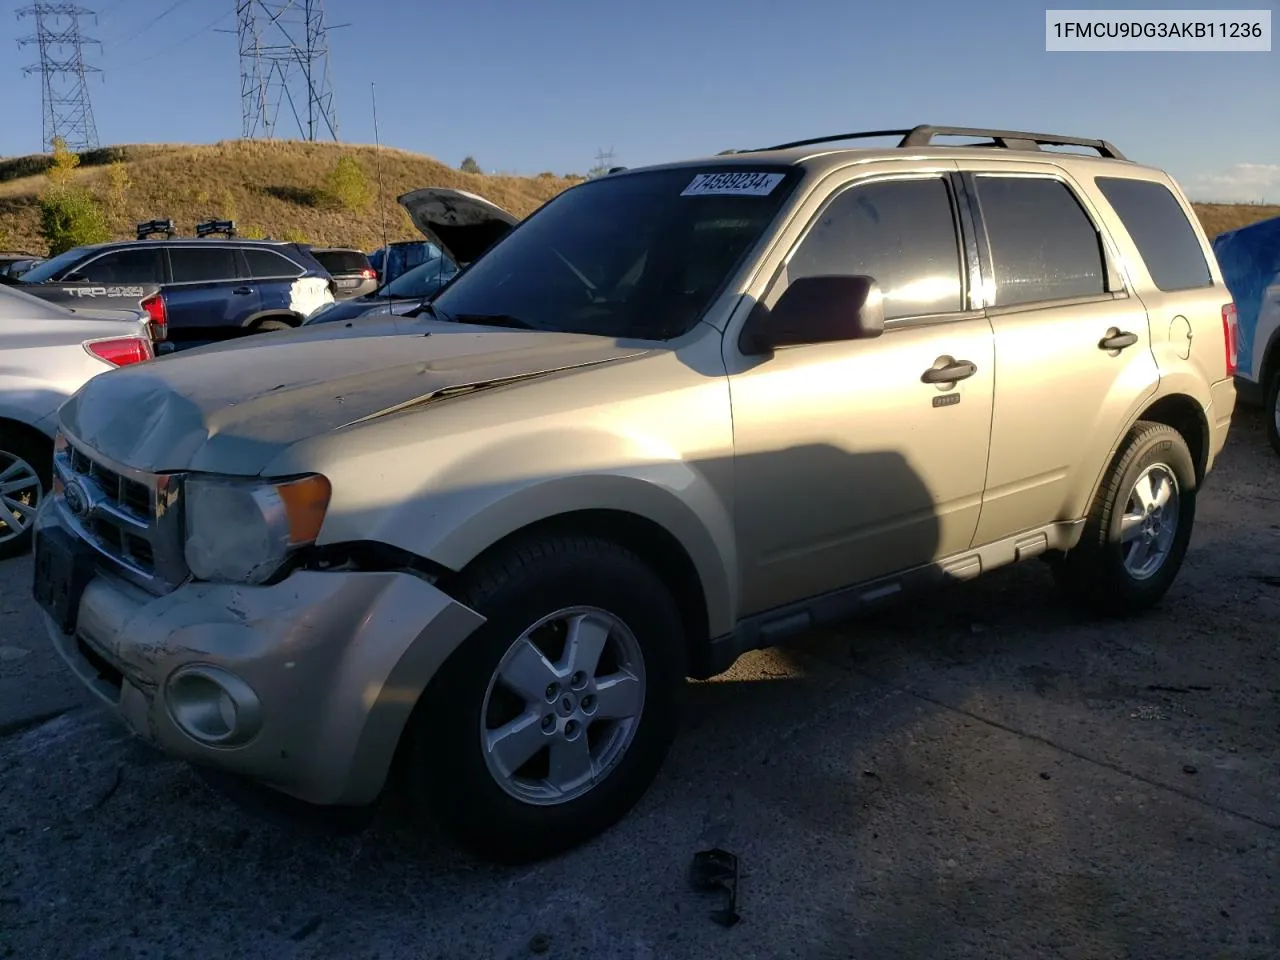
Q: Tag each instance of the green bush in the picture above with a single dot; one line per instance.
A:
(469, 165)
(69, 217)
(347, 188)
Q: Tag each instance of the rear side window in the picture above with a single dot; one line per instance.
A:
(202, 264)
(341, 261)
(1160, 230)
(125, 266)
(1043, 244)
(266, 264)
(901, 233)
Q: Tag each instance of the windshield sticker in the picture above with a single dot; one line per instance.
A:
(732, 185)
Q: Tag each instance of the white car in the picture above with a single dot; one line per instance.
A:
(49, 353)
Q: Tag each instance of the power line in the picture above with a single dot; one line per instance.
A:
(67, 112)
(171, 45)
(152, 22)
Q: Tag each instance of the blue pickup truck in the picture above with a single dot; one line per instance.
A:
(213, 289)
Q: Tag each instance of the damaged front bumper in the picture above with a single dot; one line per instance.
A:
(304, 686)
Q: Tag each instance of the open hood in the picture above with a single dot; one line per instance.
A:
(462, 224)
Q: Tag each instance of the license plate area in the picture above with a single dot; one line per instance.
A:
(63, 568)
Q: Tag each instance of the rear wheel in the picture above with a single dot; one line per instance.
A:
(1273, 408)
(1138, 530)
(25, 476)
(270, 324)
(552, 720)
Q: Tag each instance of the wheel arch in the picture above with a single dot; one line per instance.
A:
(648, 539)
(23, 429)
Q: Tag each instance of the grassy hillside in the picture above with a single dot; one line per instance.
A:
(272, 188)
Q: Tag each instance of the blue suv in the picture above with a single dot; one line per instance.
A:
(213, 289)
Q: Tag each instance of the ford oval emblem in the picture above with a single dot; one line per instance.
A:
(77, 498)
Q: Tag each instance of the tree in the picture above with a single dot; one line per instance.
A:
(69, 216)
(347, 187)
(469, 165)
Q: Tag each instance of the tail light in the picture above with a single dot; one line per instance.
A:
(369, 273)
(121, 351)
(1230, 336)
(154, 305)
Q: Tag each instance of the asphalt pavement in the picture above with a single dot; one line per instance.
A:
(986, 774)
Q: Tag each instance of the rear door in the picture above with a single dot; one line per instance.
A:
(207, 295)
(1073, 349)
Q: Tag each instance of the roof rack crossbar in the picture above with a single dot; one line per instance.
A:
(924, 134)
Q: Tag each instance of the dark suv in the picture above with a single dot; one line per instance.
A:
(213, 289)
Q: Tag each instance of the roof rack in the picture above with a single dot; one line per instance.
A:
(150, 228)
(207, 227)
(923, 136)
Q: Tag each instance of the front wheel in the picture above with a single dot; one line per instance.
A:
(552, 720)
(1138, 530)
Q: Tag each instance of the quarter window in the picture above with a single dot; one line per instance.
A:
(1165, 239)
(202, 264)
(901, 233)
(265, 264)
(1043, 244)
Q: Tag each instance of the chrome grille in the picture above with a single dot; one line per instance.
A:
(132, 518)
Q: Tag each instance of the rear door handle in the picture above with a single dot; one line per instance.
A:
(956, 370)
(1117, 340)
(242, 291)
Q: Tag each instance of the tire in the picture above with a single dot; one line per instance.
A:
(1095, 573)
(266, 326)
(447, 768)
(1271, 409)
(21, 455)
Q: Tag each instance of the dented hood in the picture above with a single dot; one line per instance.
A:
(463, 224)
(233, 407)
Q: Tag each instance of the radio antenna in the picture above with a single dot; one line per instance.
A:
(382, 204)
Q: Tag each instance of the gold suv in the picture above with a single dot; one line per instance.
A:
(677, 413)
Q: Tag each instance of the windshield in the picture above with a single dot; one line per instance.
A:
(51, 268)
(422, 281)
(638, 255)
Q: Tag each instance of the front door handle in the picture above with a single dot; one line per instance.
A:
(1117, 340)
(242, 291)
(953, 371)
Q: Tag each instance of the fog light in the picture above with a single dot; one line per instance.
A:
(213, 706)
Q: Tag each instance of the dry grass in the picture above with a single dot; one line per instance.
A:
(268, 188)
(271, 188)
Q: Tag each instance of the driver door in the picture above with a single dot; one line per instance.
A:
(848, 466)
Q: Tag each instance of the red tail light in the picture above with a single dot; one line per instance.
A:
(159, 317)
(121, 351)
(1230, 336)
(368, 273)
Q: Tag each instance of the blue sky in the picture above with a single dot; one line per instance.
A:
(527, 86)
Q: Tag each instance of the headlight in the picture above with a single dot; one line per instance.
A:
(241, 531)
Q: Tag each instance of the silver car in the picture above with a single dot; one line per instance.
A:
(49, 353)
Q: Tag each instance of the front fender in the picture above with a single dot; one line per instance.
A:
(461, 506)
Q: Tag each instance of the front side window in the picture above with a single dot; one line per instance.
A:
(125, 266)
(638, 255)
(901, 233)
(1043, 244)
(55, 266)
(202, 265)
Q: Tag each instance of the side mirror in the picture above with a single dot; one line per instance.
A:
(822, 309)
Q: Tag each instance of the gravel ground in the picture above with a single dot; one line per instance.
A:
(988, 775)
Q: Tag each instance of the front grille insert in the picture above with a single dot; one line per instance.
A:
(129, 516)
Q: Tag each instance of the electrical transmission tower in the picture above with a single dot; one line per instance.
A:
(65, 92)
(284, 62)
